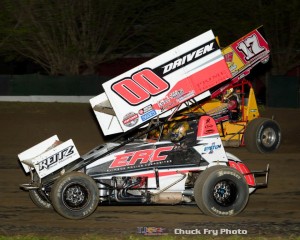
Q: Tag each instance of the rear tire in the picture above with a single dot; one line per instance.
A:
(221, 191)
(75, 195)
(262, 135)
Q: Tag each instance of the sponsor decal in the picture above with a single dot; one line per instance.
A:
(147, 112)
(145, 156)
(210, 149)
(166, 103)
(187, 96)
(229, 60)
(228, 57)
(209, 127)
(130, 119)
(56, 158)
(176, 94)
(148, 115)
(146, 109)
(190, 57)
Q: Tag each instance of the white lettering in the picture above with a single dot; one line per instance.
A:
(213, 232)
(183, 60)
(233, 231)
(250, 47)
(208, 48)
(168, 68)
(188, 58)
(187, 231)
(177, 63)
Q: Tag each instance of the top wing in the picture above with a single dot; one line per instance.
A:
(162, 83)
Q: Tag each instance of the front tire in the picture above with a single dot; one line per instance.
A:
(221, 191)
(39, 199)
(262, 135)
(75, 195)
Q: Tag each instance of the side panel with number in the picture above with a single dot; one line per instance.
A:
(166, 81)
(140, 87)
(242, 55)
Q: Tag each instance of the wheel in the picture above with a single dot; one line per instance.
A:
(39, 199)
(262, 135)
(221, 191)
(75, 195)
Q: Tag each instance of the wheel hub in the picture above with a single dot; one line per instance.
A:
(224, 193)
(268, 137)
(75, 196)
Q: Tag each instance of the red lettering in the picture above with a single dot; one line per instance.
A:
(140, 87)
(121, 160)
(150, 82)
(130, 91)
(144, 155)
(156, 156)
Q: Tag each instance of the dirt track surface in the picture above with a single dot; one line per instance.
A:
(272, 211)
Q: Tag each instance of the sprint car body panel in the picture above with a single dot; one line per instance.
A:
(243, 55)
(190, 70)
(161, 84)
(49, 156)
(246, 52)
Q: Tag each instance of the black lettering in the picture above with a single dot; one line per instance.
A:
(57, 157)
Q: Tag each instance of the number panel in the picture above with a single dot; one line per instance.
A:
(140, 87)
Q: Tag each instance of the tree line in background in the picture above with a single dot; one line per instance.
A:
(71, 37)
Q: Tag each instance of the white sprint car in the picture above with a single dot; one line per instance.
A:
(155, 161)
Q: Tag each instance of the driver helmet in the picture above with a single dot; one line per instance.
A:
(179, 131)
(232, 104)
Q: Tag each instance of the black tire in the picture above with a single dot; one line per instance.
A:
(262, 135)
(75, 195)
(39, 199)
(221, 191)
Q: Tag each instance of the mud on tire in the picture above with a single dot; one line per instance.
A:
(75, 195)
(221, 191)
(262, 135)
